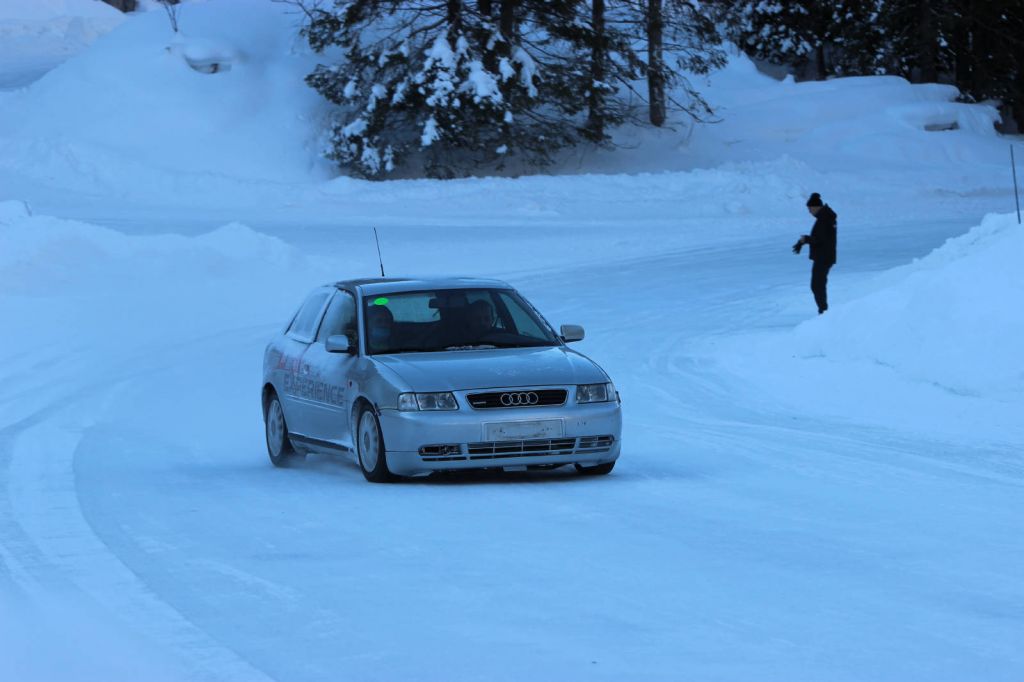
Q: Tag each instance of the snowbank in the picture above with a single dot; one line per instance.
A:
(851, 123)
(226, 97)
(36, 35)
(41, 254)
(951, 318)
(70, 20)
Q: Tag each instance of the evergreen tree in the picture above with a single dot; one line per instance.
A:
(659, 41)
(450, 84)
(975, 45)
(834, 37)
(438, 79)
(987, 51)
(693, 42)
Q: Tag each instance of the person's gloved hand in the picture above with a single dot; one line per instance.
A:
(799, 245)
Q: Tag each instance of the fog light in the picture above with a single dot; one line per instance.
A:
(440, 450)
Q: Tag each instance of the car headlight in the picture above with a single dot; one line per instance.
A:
(410, 402)
(596, 393)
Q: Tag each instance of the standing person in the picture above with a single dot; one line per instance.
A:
(822, 241)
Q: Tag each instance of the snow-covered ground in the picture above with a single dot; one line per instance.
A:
(798, 497)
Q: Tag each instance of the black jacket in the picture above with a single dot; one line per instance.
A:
(823, 236)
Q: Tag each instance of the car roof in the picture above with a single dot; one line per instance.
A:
(383, 285)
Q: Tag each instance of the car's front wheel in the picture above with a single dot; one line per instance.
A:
(370, 448)
(598, 470)
(279, 447)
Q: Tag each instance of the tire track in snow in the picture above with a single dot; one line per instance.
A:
(698, 403)
(50, 549)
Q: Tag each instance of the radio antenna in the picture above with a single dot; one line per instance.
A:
(1016, 195)
(379, 259)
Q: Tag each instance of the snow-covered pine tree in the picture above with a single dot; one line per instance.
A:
(453, 84)
(986, 43)
(594, 58)
(626, 41)
(442, 81)
(688, 34)
(826, 38)
(777, 31)
(976, 45)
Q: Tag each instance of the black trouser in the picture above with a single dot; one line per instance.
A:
(819, 282)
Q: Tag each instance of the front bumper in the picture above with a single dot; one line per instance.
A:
(584, 439)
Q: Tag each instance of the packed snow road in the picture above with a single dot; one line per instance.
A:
(144, 533)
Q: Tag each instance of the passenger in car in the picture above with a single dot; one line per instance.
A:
(379, 324)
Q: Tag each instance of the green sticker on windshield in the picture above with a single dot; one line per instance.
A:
(380, 301)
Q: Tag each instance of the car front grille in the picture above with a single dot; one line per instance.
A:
(509, 399)
(505, 449)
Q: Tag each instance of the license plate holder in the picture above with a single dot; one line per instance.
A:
(524, 430)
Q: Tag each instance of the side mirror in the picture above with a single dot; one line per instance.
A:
(572, 332)
(338, 343)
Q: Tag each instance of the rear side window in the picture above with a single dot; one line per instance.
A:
(303, 327)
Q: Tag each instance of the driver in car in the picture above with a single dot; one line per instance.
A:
(480, 321)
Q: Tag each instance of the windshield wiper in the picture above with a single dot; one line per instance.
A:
(537, 344)
(473, 346)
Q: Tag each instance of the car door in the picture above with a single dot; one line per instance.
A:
(293, 380)
(329, 373)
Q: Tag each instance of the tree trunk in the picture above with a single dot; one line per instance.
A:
(655, 63)
(454, 12)
(927, 42)
(595, 117)
(486, 9)
(507, 25)
(961, 45)
(819, 61)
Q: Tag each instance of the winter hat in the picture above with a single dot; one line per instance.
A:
(815, 200)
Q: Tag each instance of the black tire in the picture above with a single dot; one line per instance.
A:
(599, 470)
(279, 446)
(370, 450)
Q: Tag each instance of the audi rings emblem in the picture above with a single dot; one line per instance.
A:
(519, 399)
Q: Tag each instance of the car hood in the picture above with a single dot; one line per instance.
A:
(497, 368)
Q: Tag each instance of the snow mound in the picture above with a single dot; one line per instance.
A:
(52, 27)
(42, 254)
(74, 20)
(848, 123)
(224, 98)
(947, 319)
(13, 210)
(36, 35)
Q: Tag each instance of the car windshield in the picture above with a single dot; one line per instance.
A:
(452, 320)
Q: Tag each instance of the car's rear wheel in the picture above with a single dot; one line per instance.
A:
(370, 448)
(279, 447)
(599, 470)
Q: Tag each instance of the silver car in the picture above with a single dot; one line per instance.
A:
(417, 376)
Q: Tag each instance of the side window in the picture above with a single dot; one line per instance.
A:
(340, 318)
(304, 324)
